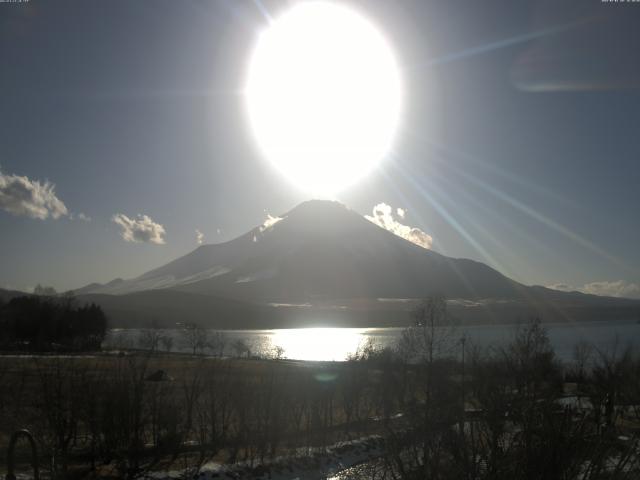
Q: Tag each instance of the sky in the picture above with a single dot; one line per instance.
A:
(124, 139)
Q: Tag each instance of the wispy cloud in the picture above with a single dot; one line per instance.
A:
(199, 237)
(619, 288)
(20, 195)
(139, 229)
(383, 217)
(79, 216)
(269, 222)
(563, 287)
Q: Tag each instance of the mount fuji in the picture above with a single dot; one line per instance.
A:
(322, 263)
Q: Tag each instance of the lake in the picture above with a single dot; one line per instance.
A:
(336, 344)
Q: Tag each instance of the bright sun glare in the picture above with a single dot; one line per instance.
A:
(327, 344)
(323, 94)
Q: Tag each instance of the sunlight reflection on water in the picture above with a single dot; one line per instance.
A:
(337, 344)
(333, 344)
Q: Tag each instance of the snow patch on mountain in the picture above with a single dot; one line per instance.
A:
(140, 284)
(261, 275)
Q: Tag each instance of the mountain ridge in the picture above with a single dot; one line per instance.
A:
(323, 260)
(312, 245)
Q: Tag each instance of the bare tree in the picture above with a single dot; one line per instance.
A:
(195, 337)
(60, 398)
(435, 403)
(218, 343)
(240, 347)
(582, 355)
(44, 291)
(611, 372)
(149, 340)
(432, 334)
(167, 342)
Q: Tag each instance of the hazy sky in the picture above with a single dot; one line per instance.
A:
(519, 145)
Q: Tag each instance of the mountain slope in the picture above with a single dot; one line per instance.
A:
(323, 264)
(320, 250)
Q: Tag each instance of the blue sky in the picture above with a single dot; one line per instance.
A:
(519, 143)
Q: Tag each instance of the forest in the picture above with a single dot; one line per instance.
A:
(42, 323)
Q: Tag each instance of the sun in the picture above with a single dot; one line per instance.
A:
(323, 95)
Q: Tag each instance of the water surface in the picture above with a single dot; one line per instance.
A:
(337, 344)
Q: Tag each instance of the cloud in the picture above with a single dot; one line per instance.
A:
(23, 196)
(269, 222)
(613, 289)
(384, 218)
(140, 229)
(199, 237)
(79, 216)
(619, 288)
(563, 287)
(266, 225)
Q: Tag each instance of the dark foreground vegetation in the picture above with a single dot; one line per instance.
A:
(42, 323)
(442, 409)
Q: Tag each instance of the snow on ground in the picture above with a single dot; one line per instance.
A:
(305, 464)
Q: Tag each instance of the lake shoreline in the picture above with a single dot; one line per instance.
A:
(331, 345)
(338, 344)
